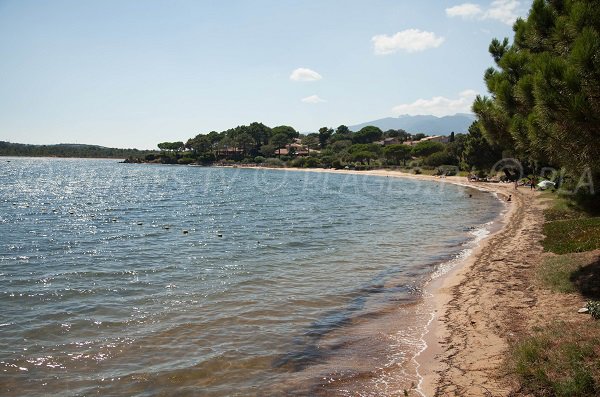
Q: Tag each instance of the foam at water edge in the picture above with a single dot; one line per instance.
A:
(424, 347)
(479, 234)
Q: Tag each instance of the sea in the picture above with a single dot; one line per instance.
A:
(159, 280)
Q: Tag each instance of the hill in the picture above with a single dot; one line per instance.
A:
(68, 150)
(427, 124)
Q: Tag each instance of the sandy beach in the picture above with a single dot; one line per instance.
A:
(489, 302)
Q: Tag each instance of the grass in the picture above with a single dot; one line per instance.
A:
(572, 235)
(572, 273)
(563, 359)
(559, 360)
(555, 273)
(564, 207)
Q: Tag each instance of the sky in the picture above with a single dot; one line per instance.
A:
(133, 73)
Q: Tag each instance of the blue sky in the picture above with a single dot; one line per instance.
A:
(132, 73)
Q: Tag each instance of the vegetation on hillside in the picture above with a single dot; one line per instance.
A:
(69, 150)
(370, 147)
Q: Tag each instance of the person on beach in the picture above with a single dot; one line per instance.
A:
(532, 183)
(516, 184)
(509, 197)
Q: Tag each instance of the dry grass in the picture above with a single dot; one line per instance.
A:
(559, 360)
(563, 359)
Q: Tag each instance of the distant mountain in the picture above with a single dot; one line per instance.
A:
(430, 125)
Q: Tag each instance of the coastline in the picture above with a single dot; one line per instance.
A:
(483, 305)
(451, 295)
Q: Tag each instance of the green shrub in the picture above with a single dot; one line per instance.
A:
(437, 159)
(273, 162)
(298, 162)
(311, 162)
(426, 148)
(594, 309)
(259, 159)
(448, 170)
(337, 164)
(185, 160)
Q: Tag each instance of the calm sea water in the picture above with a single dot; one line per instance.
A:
(121, 279)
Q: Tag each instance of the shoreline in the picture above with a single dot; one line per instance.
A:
(439, 295)
(431, 363)
(483, 305)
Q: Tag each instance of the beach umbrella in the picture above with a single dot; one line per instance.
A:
(545, 184)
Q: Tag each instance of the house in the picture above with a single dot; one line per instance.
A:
(296, 148)
(388, 141)
(435, 138)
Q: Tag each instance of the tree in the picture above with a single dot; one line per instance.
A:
(324, 135)
(243, 141)
(280, 140)
(342, 133)
(342, 129)
(268, 150)
(364, 152)
(287, 130)
(455, 149)
(545, 88)
(260, 133)
(439, 158)
(364, 156)
(199, 144)
(426, 148)
(339, 146)
(397, 153)
(172, 146)
(311, 141)
(225, 145)
(478, 153)
(399, 134)
(367, 134)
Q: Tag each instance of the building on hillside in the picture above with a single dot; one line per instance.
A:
(435, 138)
(296, 148)
(388, 141)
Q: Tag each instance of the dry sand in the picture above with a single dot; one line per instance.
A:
(488, 303)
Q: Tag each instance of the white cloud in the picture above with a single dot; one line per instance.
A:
(466, 10)
(313, 99)
(505, 11)
(410, 40)
(304, 74)
(439, 105)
